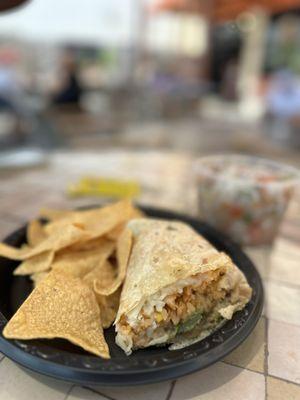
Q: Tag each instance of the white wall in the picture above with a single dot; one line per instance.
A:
(98, 21)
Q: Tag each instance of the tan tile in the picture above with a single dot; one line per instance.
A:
(251, 353)
(219, 382)
(27, 210)
(284, 351)
(10, 203)
(260, 258)
(284, 269)
(264, 310)
(282, 302)
(17, 384)
(146, 392)
(284, 262)
(288, 248)
(7, 226)
(279, 390)
(290, 231)
(81, 393)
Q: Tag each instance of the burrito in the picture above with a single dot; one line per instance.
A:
(178, 288)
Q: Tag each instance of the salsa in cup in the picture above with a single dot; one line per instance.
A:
(244, 196)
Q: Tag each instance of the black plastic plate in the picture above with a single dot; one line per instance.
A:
(62, 360)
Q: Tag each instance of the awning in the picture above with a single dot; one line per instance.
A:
(223, 10)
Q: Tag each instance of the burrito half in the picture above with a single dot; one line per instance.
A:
(178, 288)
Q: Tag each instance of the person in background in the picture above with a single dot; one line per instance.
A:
(283, 106)
(70, 89)
(285, 51)
(12, 109)
(10, 88)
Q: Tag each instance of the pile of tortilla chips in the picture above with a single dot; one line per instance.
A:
(77, 262)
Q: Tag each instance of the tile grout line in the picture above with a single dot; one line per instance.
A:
(68, 392)
(238, 366)
(284, 380)
(266, 357)
(97, 392)
(261, 373)
(266, 387)
(170, 392)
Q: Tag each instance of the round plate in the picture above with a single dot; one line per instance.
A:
(62, 360)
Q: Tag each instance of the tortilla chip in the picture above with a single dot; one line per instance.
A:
(115, 232)
(53, 215)
(103, 273)
(97, 221)
(35, 233)
(92, 244)
(137, 213)
(109, 306)
(60, 307)
(62, 238)
(39, 263)
(13, 253)
(80, 263)
(37, 277)
(124, 245)
(120, 213)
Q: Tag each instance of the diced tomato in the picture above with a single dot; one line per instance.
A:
(235, 211)
(255, 232)
(266, 179)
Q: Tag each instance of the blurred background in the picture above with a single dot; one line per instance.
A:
(104, 99)
(185, 75)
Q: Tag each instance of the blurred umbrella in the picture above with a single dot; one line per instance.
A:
(224, 10)
(230, 9)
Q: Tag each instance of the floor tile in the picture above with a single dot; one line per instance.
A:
(280, 390)
(282, 302)
(79, 393)
(7, 226)
(284, 351)
(147, 392)
(27, 210)
(260, 258)
(251, 353)
(16, 384)
(219, 382)
(284, 269)
(291, 232)
(288, 248)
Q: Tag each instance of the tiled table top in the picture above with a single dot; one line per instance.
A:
(266, 365)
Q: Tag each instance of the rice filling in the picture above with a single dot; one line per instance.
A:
(175, 311)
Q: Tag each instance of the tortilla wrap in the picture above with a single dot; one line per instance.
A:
(169, 260)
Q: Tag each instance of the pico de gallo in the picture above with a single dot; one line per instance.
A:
(244, 196)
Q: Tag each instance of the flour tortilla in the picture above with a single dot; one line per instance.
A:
(163, 253)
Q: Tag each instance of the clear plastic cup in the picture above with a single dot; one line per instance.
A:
(244, 196)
